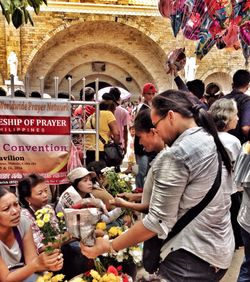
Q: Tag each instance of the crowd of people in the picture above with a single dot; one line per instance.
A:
(192, 148)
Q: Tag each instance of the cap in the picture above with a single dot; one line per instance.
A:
(147, 87)
(78, 173)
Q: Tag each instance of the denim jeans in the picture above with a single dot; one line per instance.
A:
(180, 266)
(143, 165)
(244, 275)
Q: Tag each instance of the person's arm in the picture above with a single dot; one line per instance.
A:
(114, 131)
(136, 234)
(180, 84)
(245, 130)
(125, 137)
(119, 202)
(34, 262)
(131, 197)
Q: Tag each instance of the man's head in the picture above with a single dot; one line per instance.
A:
(148, 92)
(197, 87)
(116, 93)
(146, 132)
(241, 80)
(89, 94)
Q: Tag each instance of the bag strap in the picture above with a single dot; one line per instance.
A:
(100, 137)
(194, 211)
(19, 241)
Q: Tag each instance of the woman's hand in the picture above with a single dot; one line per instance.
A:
(101, 246)
(119, 202)
(131, 197)
(52, 261)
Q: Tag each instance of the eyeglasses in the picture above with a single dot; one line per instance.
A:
(155, 124)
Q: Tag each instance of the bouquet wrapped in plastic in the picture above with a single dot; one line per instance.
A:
(81, 215)
(81, 223)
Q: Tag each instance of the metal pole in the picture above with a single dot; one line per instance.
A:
(56, 78)
(97, 117)
(12, 85)
(27, 85)
(96, 86)
(41, 78)
(69, 87)
(84, 122)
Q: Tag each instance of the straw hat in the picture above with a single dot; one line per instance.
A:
(78, 173)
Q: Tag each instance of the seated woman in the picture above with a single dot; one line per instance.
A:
(17, 245)
(82, 185)
(33, 195)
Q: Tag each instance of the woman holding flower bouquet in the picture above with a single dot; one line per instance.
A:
(18, 257)
(183, 173)
(48, 229)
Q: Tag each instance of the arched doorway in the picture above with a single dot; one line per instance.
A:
(74, 51)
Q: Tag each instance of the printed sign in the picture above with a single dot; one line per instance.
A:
(34, 138)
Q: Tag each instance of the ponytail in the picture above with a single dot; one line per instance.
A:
(179, 101)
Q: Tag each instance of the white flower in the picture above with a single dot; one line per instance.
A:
(120, 256)
(136, 254)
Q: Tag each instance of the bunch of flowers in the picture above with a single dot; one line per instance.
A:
(52, 228)
(112, 274)
(48, 277)
(116, 182)
(131, 254)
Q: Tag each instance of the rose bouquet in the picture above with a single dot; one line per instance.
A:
(52, 228)
(112, 274)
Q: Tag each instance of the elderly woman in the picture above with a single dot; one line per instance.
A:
(224, 113)
(18, 257)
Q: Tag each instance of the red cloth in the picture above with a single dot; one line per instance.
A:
(89, 110)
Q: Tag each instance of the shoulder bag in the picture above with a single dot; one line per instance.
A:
(152, 247)
(113, 152)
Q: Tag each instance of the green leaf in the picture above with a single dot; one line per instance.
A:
(17, 18)
(25, 12)
(30, 19)
(37, 10)
(5, 5)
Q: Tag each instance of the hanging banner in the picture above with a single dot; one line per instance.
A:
(34, 138)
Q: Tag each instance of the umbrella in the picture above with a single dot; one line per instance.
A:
(124, 93)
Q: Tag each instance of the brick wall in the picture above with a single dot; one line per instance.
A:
(62, 43)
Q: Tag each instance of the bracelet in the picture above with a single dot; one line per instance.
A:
(111, 249)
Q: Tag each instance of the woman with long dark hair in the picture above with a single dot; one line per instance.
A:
(19, 261)
(183, 174)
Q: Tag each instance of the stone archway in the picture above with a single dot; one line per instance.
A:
(223, 79)
(126, 52)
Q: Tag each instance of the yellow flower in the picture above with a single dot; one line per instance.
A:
(46, 218)
(40, 223)
(39, 215)
(101, 225)
(57, 278)
(114, 231)
(60, 214)
(95, 274)
(47, 276)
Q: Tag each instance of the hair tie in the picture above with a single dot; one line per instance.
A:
(196, 108)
